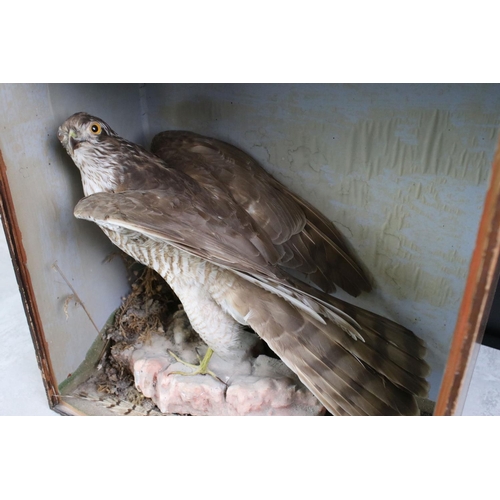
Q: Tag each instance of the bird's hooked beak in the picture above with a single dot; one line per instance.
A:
(68, 139)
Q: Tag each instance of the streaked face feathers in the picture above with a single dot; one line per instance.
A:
(81, 129)
(102, 156)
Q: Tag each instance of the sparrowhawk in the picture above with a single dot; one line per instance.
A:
(239, 249)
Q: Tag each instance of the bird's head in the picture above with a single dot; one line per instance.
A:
(95, 148)
(107, 162)
(82, 130)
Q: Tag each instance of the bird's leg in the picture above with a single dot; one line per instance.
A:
(201, 369)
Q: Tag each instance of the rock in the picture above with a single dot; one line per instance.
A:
(256, 386)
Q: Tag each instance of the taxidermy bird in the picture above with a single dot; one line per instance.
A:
(239, 249)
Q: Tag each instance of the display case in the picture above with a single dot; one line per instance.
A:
(408, 173)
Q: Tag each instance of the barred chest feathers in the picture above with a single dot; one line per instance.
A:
(200, 285)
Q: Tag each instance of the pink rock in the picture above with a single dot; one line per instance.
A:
(255, 386)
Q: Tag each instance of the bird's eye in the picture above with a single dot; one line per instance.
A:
(95, 128)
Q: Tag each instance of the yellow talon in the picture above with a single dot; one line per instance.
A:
(201, 369)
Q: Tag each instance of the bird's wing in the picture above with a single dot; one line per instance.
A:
(215, 229)
(193, 223)
(309, 243)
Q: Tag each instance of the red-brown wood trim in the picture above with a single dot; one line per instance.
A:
(476, 302)
(18, 255)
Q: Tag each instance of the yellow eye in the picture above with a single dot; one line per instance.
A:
(95, 128)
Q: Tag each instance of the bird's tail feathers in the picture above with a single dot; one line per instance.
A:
(349, 376)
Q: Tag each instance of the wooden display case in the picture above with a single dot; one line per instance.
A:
(407, 172)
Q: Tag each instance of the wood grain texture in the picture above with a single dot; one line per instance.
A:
(476, 302)
(18, 255)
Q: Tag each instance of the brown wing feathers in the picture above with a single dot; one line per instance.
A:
(310, 244)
